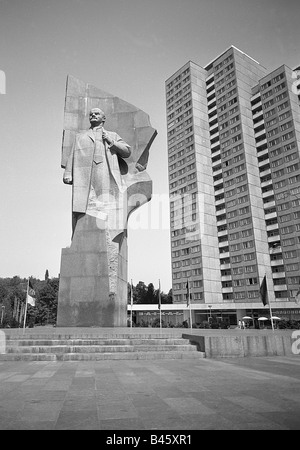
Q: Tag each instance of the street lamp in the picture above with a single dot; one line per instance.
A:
(210, 306)
(2, 314)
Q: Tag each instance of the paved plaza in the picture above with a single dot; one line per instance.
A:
(255, 393)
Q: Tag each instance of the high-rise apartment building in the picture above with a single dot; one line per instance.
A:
(234, 180)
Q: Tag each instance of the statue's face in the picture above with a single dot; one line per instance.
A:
(96, 116)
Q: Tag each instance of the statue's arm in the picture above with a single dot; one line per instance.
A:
(120, 147)
(68, 173)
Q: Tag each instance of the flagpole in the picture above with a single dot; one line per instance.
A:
(271, 314)
(269, 303)
(25, 313)
(190, 313)
(159, 302)
(131, 301)
(191, 296)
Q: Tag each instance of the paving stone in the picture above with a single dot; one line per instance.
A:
(77, 420)
(197, 394)
(122, 424)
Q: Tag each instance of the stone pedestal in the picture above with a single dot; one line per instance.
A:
(85, 298)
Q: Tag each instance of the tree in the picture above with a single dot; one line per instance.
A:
(46, 304)
(140, 292)
(170, 297)
(150, 295)
(47, 275)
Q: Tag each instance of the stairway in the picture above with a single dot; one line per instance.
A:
(76, 347)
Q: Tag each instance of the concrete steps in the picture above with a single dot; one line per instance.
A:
(83, 348)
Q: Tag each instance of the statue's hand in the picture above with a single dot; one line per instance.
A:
(139, 167)
(106, 138)
(68, 179)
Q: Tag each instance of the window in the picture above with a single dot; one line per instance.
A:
(292, 168)
(283, 106)
(289, 147)
(238, 282)
(270, 113)
(286, 126)
(237, 270)
(284, 116)
(251, 281)
(249, 257)
(290, 254)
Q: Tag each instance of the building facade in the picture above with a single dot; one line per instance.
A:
(234, 180)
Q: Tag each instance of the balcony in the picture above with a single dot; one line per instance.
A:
(212, 110)
(272, 215)
(280, 287)
(263, 162)
(210, 79)
(261, 143)
(255, 97)
(216, 163)
(258, 134)
(214, 138)
(266, 183)
(217, 172)
(227, 290)
(226, 278)
(210, 94)
(275, 250)
(258, 114)
(219, 188)
(278, 275)
(263, 152)
(213, 117)
(273, 238)
(256, 106)
(223, 244)
(267, 193)
(211, 104)
(259, 124)
(215, 145)
(269, 204)
(277, 262)
(218, 183)
(224, 255)
(214, 129)
(272, 227)
(225, 266)
(265, 172)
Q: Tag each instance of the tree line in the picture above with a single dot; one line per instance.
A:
(148, 295)
(13, 298)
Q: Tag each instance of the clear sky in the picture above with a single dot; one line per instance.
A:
(127, 48)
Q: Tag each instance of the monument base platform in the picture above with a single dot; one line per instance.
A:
(85, 297)
(241, 343)
(81, 344)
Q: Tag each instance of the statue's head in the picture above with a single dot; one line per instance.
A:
(97, 117)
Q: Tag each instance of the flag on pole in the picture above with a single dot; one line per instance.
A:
(264, 291)
(131, 303)
(297, 297)
(30, 294)
(131, 293)
(188, 294)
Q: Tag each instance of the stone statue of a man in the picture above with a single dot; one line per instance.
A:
(109, 182)
(93, 170)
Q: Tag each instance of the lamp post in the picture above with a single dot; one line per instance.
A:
(2, 314)
(209, 320)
